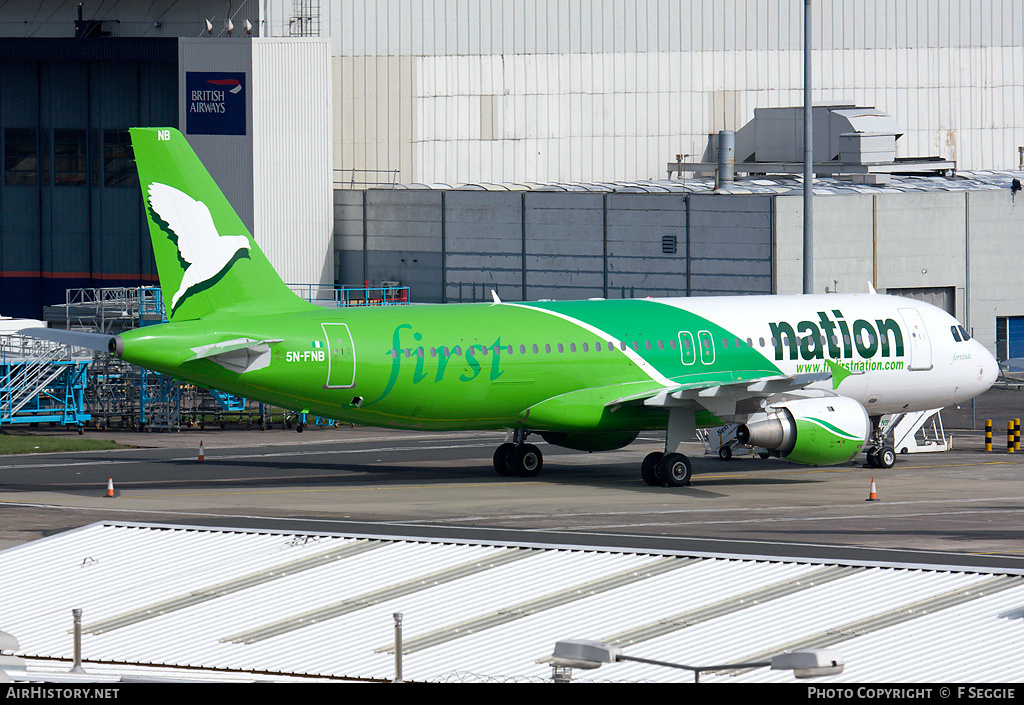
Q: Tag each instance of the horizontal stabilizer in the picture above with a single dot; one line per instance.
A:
(239, 355)
(90, 341)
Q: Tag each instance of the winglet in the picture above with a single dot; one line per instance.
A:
(494, 295)
(871, 288)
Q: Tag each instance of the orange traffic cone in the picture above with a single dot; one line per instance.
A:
(873, 497)
(110, 487)
(202, 455)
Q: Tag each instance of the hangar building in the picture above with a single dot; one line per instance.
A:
(946, 241)
(346, 103)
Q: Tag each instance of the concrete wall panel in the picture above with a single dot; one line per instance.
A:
(995, 222)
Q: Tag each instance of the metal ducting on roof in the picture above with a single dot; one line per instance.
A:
(780, 134)
(850, 142)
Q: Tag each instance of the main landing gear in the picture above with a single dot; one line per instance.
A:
(666, 470)
(671, 469)
(518, 459)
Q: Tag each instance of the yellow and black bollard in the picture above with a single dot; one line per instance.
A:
(1016, 434)
(988, 435)
(1009, 436)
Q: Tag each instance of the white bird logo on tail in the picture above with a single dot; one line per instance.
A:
(207, 252)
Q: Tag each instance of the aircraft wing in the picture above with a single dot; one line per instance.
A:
(724, 398)
(588, 407)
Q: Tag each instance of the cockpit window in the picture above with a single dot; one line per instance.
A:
(960, 334)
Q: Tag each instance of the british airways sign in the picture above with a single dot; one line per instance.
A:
(215, 103)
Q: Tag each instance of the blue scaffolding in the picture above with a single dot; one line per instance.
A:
(159, 394)
(41, 383)
(388, 294)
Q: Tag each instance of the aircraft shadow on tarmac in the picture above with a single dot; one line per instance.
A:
(623, 475)
(227, 473)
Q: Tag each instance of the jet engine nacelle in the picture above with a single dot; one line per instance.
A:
(820, 430)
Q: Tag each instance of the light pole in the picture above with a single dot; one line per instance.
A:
(581, 653)
(808, 158)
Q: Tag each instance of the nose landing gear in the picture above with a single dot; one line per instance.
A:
(880, 450)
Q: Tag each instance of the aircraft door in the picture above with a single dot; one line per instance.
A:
(920, 346)
(707, 347)
(687, 350)
(341, 356)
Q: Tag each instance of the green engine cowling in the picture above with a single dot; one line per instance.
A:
(820, 430)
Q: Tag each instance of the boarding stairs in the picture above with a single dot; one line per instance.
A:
(228, 402)
(165, 415)
(30, 370)
(912, 433)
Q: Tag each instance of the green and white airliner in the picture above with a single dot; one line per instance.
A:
(806, 377)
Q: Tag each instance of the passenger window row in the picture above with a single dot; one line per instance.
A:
(548, 348)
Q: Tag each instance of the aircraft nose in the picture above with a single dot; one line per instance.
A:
(988, 368)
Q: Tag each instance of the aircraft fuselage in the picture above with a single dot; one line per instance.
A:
(481, 366)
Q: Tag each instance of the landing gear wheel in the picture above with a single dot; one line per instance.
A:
(885, 458)
(675, 470)
(526, 460)
(872, 458)
(725, 453)
(649, 469)
(501, 459)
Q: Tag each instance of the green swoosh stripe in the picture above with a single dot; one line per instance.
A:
(834, 429)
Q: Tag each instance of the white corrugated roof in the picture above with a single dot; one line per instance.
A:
(321, 605)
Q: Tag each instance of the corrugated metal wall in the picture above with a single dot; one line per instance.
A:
(961, 242)
(451, 245)
(278, 174)
(456, 245)
(527, 90)
(293, 215)
(484, 232)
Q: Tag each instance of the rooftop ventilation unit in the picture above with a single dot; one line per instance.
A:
(866, 135)
(849, 142)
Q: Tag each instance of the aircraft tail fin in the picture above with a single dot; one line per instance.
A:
(207, 260)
